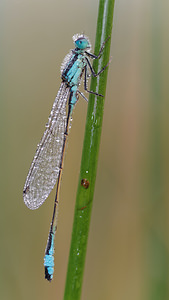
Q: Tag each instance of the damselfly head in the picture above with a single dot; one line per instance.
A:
(81, 41)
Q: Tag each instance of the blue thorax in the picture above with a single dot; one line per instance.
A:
(74, 68)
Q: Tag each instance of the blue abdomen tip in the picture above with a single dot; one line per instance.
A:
(49, 266)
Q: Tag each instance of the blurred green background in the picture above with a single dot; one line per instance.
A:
(128, 248)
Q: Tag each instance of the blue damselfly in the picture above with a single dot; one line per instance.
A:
(47, 165)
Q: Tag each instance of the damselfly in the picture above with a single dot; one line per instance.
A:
(47, 165)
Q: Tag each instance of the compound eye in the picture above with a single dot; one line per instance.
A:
(81, 43)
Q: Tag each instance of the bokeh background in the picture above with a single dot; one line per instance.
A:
(128, 248)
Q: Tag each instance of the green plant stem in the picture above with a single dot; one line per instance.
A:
(90, 152)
